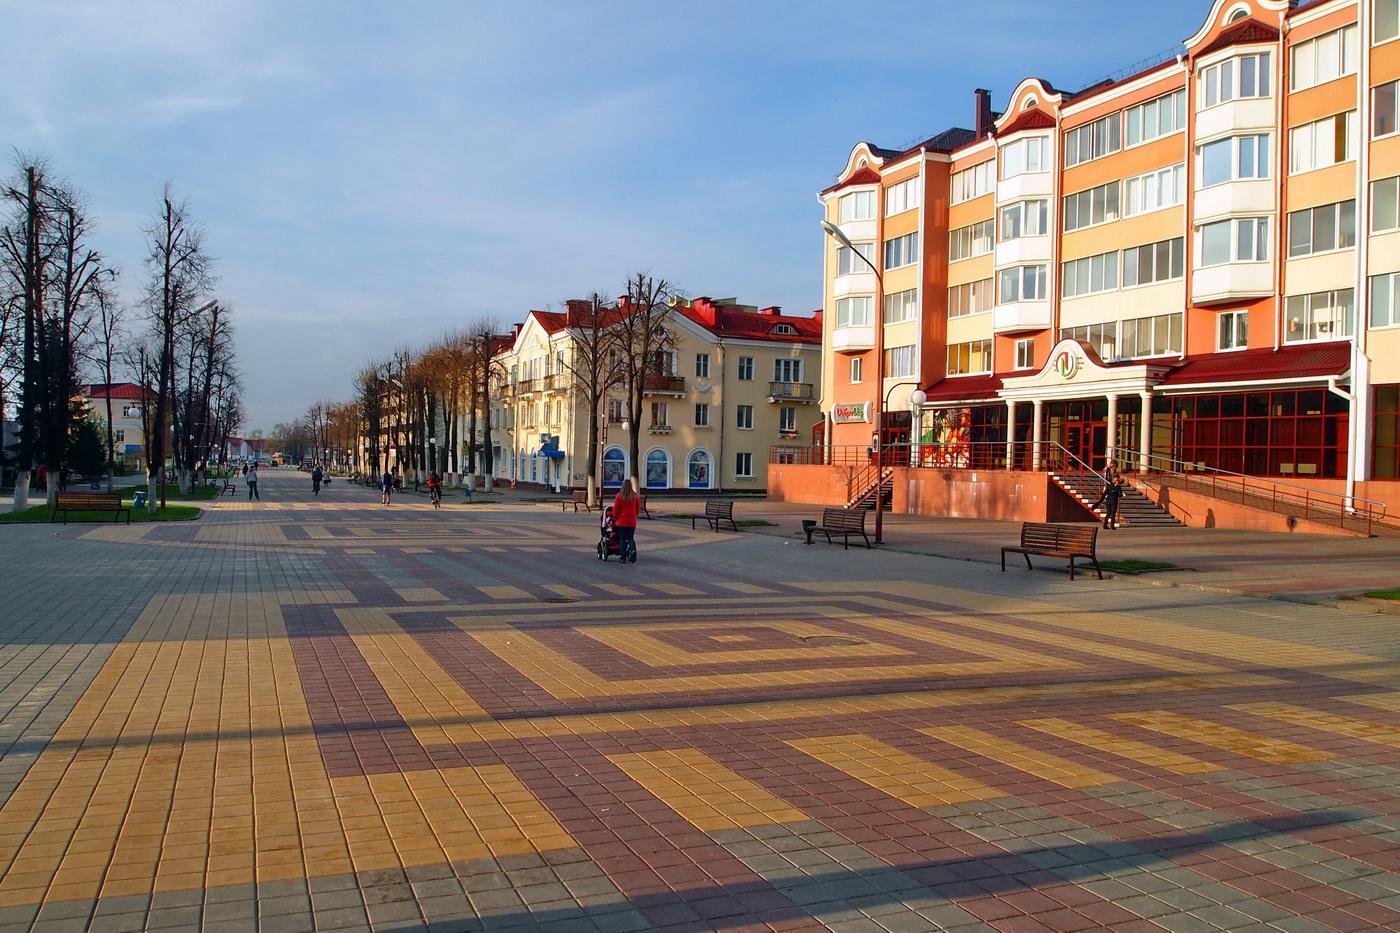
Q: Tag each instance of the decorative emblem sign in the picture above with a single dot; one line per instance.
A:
(1067, 364)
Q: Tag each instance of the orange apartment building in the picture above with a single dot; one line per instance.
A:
(1191, 269)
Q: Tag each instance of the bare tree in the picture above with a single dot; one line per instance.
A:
(644, 339)
(594, 363)
(110, 314)
(25, 266)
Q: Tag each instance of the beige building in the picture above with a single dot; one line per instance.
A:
(129, 440)
(738, 382)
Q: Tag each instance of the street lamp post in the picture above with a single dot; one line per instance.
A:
(432, 454)
(916, 399)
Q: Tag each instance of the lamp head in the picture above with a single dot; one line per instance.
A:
(836, 234)
(917, 398)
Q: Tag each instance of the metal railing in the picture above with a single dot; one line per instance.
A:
(658, 383)
(793, 391)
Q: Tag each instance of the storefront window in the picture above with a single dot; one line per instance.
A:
(1289, 434)
(1385, 460)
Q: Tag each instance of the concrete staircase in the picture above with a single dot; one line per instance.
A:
(1134, 509)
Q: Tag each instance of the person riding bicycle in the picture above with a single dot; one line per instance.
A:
(317, 474)
(435, 489)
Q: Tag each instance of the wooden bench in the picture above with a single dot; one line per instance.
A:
(578, 497)
(1068, 541)
(844, 522)
(717, 511)
(230, 486)
(643, 507)
(90, 502)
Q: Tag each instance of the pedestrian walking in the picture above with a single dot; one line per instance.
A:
(245, 469)
(386, 487)
(252, 480)
(316, 476)
(627, 506)
(1113, 489)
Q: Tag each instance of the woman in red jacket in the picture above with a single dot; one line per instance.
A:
(626, 507)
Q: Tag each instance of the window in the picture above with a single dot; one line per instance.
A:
(787, 420)
(1243, 239)
(1234, 78)
(120, 434)
(858, 205)
(973, 182)
(1322, 143)
(702, 414)
(1385, 204)
(1155, 262)
(1319, 229)
(1160, 117)
(1025, 155)
(1383, 108)
(1089, 275)
(972, 240)
(1319, 316)
(702, 365)
(901, 251)
(1025, 353)
(1387, 20)
(1325, 58)
(848, 263)
(1158, 335)
(614, 411)
(745, 417)
(1155, 190)
(1025, 218)
(902, 306)
(1094, 206)
(1235, 158)
(698, 470)
(743, 465)
(1385, 461)
(899, 361)
(658, 469)
(787, 330)
(787, 370)
(1093, 140)
(660, 415)
(746, 362)
(902, 197)
(850, 312)
(1021, 283)
(857, 369)
(1234, 331)
(972, 298)
(1385, 300)
(1102, 337)
(972, 357)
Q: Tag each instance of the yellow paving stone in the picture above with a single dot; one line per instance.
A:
(1379, 733)
(1227, 738)
(1386, 701)
(1032, 761)
(637, 644)
(568, 592)
(1121, 746)
(673, 589)
(705, 793)
(504, 592)
(617, 589)
(740, 587)
(916, 781)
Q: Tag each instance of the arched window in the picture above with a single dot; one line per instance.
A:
(698, 472)
(1237, 14)
(658, 469)
(614, 466)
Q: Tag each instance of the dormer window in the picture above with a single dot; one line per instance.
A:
(786, 330)
(1245, 76)
(1237, 14)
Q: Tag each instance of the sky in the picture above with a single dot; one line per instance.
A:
(374, 174)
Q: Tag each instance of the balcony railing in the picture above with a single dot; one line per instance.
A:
(791, 391)
(659, 429)
(528, 385)
(660, 383)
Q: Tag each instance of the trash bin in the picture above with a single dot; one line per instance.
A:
(809, 525)
(139, 500)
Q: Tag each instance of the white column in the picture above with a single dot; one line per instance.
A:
(1037, 432)
(1145, 432)
(1010, 433)
(1111, 436)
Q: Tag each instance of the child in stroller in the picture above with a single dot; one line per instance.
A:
(608, 541)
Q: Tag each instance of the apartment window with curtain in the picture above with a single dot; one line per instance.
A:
(902, 306)
(1025, 156)
(973, 182)
(787, 420)
(1318, 316)
(1021, 283)
(1158, 335)
(973, 240)
(660, 415)
(1025, 218)
(1089, 275)
(964, 359)
(1156, 118)
(1025, 353)
(743, 415)
(901, 251)
(858, 205)
(1237, 158)
(702, 365)
(1385, 203)
(902, 197)
(702, 414)
(850, 312)
(787, 370)
(1322, 143)
(1092, 141)
(1325, 58)
(1102, 337)
(1384, 98)
(1234, 331)
(746, 362)
(1244, 76)
(1322, 229)
(972, 298)
(1386, 23)
(1091, 207)
(1240, 239)
(1155, 190)
(848, 263)
(1155, 262)
(899, 361)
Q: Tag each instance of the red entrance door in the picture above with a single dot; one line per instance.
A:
(1086, 443)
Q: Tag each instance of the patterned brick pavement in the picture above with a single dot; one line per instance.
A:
(327, 714)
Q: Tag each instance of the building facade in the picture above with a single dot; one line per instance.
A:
(128, 430)
(1194, 267)
(737, 381)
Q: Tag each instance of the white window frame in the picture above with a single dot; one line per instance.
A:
(1104, 206)
(899, 361)
(743, 464)
(902, 196)
(1392, 109)
(1023, 219)
(1339, 323)
(1173, 102)
(1230, 71)
(1094, 140)
(660, 415)
(904, 250)
(1036, 274)
(1256, 148)
(1385, 298)
(848, 263)
(972, 298)
(1232, 331)
(861, 206)
(1307, 63)
(1304, 222)
(1165, 336)
(1391, 215)
(702, 414)
(901, 306)
(787, 420)
(857, 373)
(967, 353)
(1099, 274)
(702, 365)
(1248, 237)
(1025, 353)
(1306, 141)
(973, 182)
(1142, 194)
(743, 417)
(1390, 9)
(1028, 156)
(846, 309)
(746, 367)
(1175, 250)
(787, 369)
(973, 240)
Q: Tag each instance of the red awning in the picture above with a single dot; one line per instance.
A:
(1300, 362)
(964, 388)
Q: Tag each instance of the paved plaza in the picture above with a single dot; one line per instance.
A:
(327, 714)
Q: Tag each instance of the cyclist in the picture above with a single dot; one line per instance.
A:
(435, 489)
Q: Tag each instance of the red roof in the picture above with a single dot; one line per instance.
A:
(958, 388)
(865, 175)
(1029, 120)
(764, 324)
(552, 321)
(119, 390)
(1302, 361)
(1247, 30)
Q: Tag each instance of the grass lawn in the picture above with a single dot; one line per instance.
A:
(1136, 566)
(40, 514)
(1383, 594)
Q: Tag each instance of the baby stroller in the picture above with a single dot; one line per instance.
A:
(608, 540)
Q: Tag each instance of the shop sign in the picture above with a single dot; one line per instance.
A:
(851, 413)
(1067, 364)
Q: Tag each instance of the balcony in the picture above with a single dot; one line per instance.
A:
(526, 386)
(791, 392)
(1026, 185)
(1233, 281)
(554, 383)
(1022, 250)
(1020, 316)
(853, 339)
(655, 383)
(1252, 196)
(659, 429)
(853, 283)
(1236, 116)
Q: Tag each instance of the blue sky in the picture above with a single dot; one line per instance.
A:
(371, 174)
